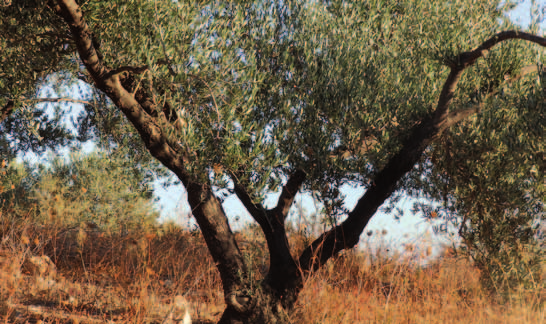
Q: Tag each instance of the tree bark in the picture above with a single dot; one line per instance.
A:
(140, 108)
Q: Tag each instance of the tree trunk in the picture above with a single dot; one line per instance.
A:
(273, 299)
(266, 308)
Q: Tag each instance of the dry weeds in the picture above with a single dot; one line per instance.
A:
(83, 275)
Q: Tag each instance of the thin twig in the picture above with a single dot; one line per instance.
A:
(213, 100)
(85, 102)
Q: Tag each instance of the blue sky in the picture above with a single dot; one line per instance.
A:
(521, 15)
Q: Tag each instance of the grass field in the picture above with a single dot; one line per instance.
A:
(133, 277)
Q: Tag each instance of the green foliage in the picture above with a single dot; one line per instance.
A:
(36, 50)
(491, 169)
(261, 89)
(270, 88)
(106, 190)
(34, 45)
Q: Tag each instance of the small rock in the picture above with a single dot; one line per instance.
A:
(40, 266)
(180, 313)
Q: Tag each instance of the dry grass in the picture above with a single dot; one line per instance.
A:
(133, 277)
(389, 291)
(100, 277)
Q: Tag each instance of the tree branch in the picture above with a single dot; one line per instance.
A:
(255, 210)
(466, 59)
(283, 274)
(456, 116)
(453, 117)
(6, 110)
(71, 13)
(289, 192)
(258, 212)
(37, 100)
(347, 234)
(528, 69)
(10, 105)
(131, 69)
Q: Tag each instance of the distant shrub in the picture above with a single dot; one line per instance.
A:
(91, 188)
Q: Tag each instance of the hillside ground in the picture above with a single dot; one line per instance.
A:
(81, 274)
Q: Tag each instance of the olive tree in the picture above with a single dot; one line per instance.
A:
(416, 96)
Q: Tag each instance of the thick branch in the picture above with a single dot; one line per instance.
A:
(468, 58)
(72, 15)
(148, 104)
(206, 209)
(283, 270)
(348, 233)
(109, 83)
(453, 117)
(289, 192)
(255, 210)
(258, 212)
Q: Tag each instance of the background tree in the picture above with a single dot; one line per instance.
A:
(250, 96)
(95, 188)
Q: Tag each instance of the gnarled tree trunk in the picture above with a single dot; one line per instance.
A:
(275, 297)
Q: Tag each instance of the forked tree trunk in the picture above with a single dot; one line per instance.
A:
(273, 299)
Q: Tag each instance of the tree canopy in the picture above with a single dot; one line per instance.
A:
(444, 100)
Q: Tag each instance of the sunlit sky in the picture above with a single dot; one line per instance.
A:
(410, 229)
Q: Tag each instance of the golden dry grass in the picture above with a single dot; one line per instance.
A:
(133, 277)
